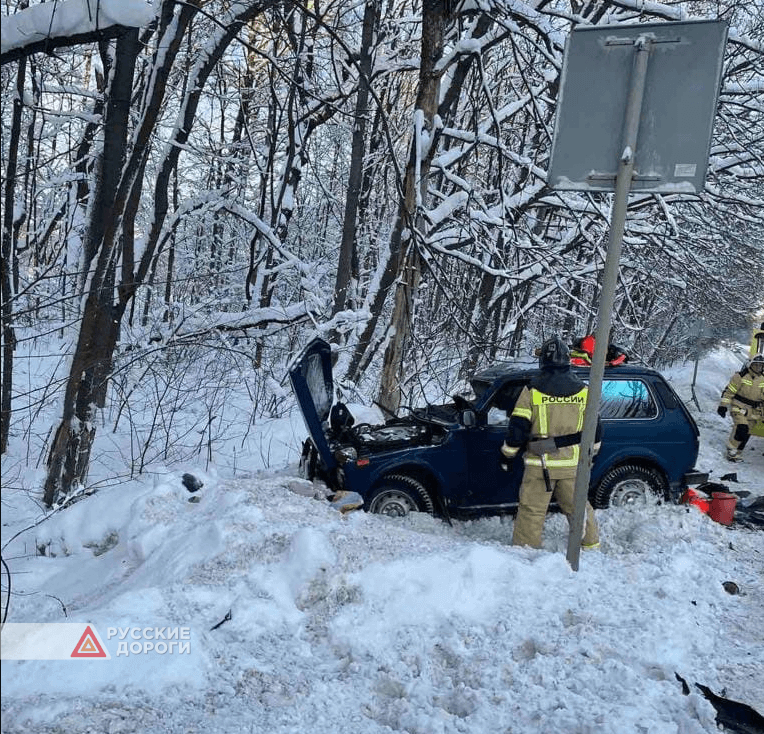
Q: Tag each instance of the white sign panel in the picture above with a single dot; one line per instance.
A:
(680, 98)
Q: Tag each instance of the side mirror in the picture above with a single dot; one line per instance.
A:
(469, 419)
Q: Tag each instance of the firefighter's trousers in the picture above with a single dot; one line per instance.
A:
(534, 501)
(743, 418)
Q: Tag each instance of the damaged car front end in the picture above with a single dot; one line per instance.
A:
(397, 466)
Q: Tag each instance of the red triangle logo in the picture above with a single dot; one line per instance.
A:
(88, 646)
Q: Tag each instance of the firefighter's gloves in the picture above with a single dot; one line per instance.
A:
(722, 410)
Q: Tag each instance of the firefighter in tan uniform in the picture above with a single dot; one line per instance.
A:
(744, 397)
(545, 430)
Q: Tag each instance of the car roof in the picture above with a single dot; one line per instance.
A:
(527, 370)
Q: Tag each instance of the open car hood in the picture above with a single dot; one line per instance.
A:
(311, 377)
(313, 385)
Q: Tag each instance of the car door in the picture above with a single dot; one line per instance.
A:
(489, 488)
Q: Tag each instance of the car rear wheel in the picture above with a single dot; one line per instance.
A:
(398, 495)
(630, 485)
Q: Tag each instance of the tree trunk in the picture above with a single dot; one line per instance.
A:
(99, 330)
(69, 457)
(347, 267)
(415, 196)
(9, 255)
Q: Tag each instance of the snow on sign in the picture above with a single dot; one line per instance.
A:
(676, 119)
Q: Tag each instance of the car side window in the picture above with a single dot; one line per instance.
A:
(502, 404)
(627, 399)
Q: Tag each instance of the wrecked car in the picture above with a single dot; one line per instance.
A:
(445, 459)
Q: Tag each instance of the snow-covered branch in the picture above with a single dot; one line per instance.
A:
(52, 25)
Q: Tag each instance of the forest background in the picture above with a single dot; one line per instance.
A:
(193, 191)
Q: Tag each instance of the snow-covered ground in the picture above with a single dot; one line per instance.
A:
(361, 624)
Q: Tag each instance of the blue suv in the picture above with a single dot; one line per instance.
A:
(445, 459)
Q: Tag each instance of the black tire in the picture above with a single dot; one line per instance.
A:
(630, 485)
(398, 495)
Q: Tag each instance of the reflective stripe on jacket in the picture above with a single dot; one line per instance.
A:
(550, 416)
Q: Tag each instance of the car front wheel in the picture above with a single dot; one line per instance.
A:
(630, 485)
(398, 495)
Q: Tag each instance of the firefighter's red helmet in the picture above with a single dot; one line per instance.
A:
(587, 344)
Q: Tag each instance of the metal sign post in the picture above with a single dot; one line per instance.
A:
(651, 101)
(607, 298)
